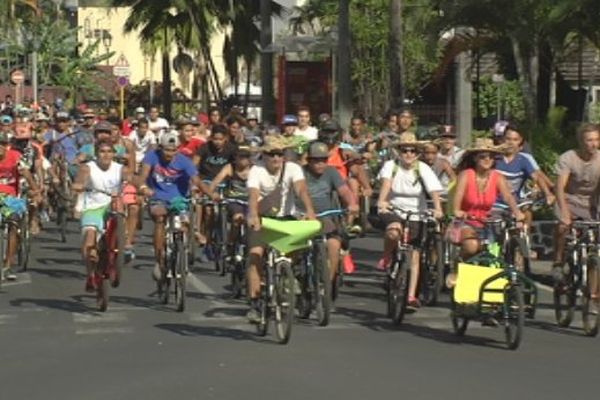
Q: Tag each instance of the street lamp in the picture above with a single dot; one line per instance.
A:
(106, 41)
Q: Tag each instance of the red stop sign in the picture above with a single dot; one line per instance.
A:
(17, 77)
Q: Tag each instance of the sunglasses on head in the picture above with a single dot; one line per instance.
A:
(274, 153)
(406, 150)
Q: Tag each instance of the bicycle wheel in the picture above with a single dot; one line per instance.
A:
(514, 316)
(365, 204)
(322, 284)
(24, 243)
(591, 319)
(61, 221)
(459, 322)
(221, 245)
(192, 243)
(102, 294)
(432, 270)
(237, 279)
(565, 299)
(398, 292)
(515, 255)
(263, 326)
(117, 248)
(180, 275)
(284, 297)
(2, 251)
(304, 300)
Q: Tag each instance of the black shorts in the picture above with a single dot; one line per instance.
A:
(416, 227)
(330, 227)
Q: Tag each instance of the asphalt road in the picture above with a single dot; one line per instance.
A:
(54, 345)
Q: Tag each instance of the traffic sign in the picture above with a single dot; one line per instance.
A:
(121, 67)
(122, 81)
(17, 77)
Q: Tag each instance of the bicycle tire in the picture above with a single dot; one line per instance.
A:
(24, 243)
(192, 243)
(459, 323)
(515, 255)
(221, 246)
(514, 316)
(284, 298)
(263, 326)
(304, 300)
(102, 295)
(590, 320)
(398, 293)
(2, 251)
(61, 222)
(180, 274)
(364, 214)
(237, 280)
(322, 285)
(118, 249)
(432, 270)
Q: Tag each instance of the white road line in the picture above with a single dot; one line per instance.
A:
(23, 278)
(103, 330)
(99, 318)
(7, 318)
(203, 288)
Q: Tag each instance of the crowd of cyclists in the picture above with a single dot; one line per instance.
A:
(293, 170)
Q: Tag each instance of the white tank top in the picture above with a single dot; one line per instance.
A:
(108, 181)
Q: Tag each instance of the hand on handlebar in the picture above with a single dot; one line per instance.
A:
(354, 209)
(565, 218)
(519, 216)
(550, 199)
(146, 191)
(383, 207)
(367, 192)
(214, 196)
(438, 214)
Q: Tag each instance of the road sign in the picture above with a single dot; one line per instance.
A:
(17, 77)
(122, 81)
(121, 67)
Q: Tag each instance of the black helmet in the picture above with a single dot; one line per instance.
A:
(330, 132)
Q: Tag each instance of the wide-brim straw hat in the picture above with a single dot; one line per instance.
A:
(485, 144)
(274, 143)
(409, 139)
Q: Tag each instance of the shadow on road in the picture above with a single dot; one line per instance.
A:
(55, 304)
(212, 331)
(554, 328)
(58, 273)
(58, 261)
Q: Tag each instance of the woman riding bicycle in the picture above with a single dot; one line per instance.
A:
(404, 188)
(479, 185)
(97, 178)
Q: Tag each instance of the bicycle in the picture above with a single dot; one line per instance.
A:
(176, 259)
(219, 232)
(431, 275)
(583, 257)
(315, 283)
(277, 298)
(490, 290)
(398, 277)
(111, 256)
(235, 263)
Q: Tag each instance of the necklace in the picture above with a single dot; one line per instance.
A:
(482, 182)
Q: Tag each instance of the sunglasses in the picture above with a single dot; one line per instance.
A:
(274, 154)
(406, 150)
(484, 156)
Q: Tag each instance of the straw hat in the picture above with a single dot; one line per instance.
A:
(408, 139)
(485, 144)
(273, 143)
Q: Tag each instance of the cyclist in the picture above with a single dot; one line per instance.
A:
(143, 141)
(236, 176)
(12, 207)
(214, 117)
(272, 185)
(102, 174)
(448, 148)
(577, 191)
(189, 145)
(404, 186)
(304, 128)
(213, 156)
(358, 136)
(157, 124)
(165, 178)
(406, 121)
(478, 187)
(289, 125)
(440, 166)
(85, 133)
(323, 181)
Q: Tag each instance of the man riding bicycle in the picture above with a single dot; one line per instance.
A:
(165, 179)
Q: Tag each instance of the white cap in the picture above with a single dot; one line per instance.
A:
(169, 139)
(140, 110)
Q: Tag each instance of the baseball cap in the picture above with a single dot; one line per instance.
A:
(252, 116)
(500, 128)
(41, 117)
(6, 120)
(447, 131)
(103, 126)
(169, 139)
(140, 110)
(243, 151)
(318, 150)
(89, 113)
(330, 126)
(61, 115)
(289, 120)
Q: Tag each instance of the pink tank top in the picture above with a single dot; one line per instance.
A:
(478, 204)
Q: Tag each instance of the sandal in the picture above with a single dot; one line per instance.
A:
(451, 280)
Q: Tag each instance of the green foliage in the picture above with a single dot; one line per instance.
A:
(511, 99)
(548, 140)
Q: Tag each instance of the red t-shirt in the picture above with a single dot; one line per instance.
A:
(190, 148)
(478, 204)
(126, 128)
(9, 173)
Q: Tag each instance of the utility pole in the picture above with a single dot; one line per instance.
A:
(396, 55)
(266, 62)
(344, 65)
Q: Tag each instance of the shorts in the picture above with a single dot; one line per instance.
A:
(94, 218)
(330, 227)
(416, 227)
(129, 194)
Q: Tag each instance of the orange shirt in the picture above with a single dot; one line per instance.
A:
(336, 160)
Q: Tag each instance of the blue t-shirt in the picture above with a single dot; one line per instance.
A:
(169, 180)
(62, 144)
(516, 172)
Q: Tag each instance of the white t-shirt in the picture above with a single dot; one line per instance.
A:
(159, 126)
(454, 157)
(407, 192)
(310, 133)
(142, 145)
(259, 178)
(107, 181)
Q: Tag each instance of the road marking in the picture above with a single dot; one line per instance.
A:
(203, 288)
(543, 287)
(103, 330)
(24, 278)
(92, 318)
(7, 318)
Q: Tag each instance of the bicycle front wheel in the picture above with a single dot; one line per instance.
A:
(284, 296)
(565, 299)
(514, 316)
(432, 270)
(181, 269)
(398, 293)
(322, 284)
(24, 242)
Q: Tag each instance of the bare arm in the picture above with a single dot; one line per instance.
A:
(81, 179)
(348, 197)
(561, 184)
(541, 182)
(384, 192)
(449, 170)
(459, 194)
(253, 217)
(225, 173)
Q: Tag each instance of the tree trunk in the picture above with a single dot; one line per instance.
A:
(344, 65)
(166, 84)
(248, 77)
(396, 55)
(266, 62)
(545, 80)
(528, 69)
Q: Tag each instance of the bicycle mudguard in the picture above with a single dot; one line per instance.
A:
(288, 236)
(469, 281)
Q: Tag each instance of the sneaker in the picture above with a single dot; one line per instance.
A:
(157, 273)
(413, 302)
(8, 274)
(129, 255)
(253, 313)
(383, 264)
(202, 256)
